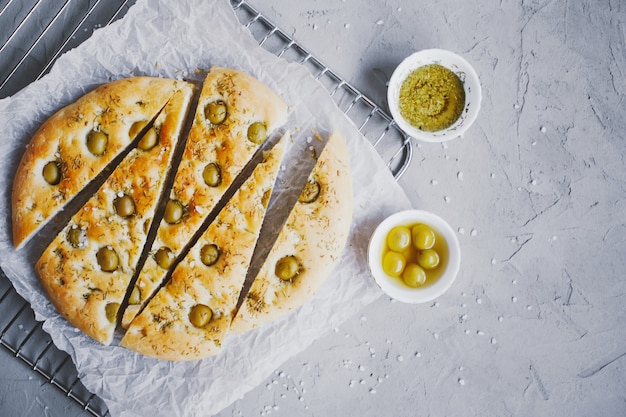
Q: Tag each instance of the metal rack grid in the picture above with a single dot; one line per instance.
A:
(371, 120)
(39, 32)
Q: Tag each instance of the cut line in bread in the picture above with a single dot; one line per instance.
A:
(86, 270)
(189, 317)
(234, 116)
(75, 144)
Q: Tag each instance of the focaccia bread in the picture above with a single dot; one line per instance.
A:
(74, 145)
(149, 250)
(234, 116)
(309, 245)
(89, 265)
(189, 317)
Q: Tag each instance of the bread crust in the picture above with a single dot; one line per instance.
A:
(226, 144)
(164, 329)
(69, 270)
(315, 233)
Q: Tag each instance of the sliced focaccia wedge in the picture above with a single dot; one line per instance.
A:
(75, 144)
(86, 270)
(234, 116)
(309, 245)
(189, 317)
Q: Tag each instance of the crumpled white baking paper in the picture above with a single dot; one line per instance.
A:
(173, 39)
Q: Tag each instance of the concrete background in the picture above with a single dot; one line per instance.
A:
(536, 190)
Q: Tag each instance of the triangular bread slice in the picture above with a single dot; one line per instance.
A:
(189, 317)
(231, 106)
(75, 144)
(308, 247)
(87, 269)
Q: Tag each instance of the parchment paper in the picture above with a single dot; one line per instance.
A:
(173, 39)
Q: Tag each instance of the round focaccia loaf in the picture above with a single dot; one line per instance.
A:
(224, 147)
(312, 239)
(60, 161)
(86, 270)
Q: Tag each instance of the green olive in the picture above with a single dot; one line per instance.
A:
(135, 296)
(428, 259)
(111, 310)
(216, 112)
(399, 238)
(173, 212)
(287, 268)
(200, 315)
(212, 175)
(107, 259)
(124, 206)
(393, 263)
(136, 128)
(149, 140)
(423, 237)
(310, 192)
(414, 275)
(97, 142)
(76, 236)
(164, 257)
(209, 254)
(257, 132)
(52, 172)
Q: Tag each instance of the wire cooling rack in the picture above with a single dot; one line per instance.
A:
(33, 34)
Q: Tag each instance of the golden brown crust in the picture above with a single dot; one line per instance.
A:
(111, 108)
(225, 144)
(163, 329)
(315, 233)
(71, 275)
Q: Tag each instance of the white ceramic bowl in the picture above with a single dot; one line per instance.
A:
(393, 286)
(456, 64)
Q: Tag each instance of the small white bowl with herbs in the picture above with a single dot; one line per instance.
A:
(434, 95)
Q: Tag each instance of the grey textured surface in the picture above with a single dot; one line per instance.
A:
(536, 191)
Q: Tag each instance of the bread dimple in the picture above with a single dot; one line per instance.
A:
(111, 108)
(315, 233)
(226, 144)
(69, 271)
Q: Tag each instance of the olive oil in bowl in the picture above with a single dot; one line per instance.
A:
(414, 256)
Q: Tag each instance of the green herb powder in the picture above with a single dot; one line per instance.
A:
(432, 98)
